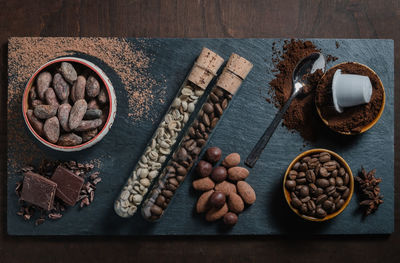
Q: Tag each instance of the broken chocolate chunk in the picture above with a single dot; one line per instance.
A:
(38, 190)
(68, 185)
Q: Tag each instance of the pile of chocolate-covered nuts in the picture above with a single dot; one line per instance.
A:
(225, 193)
(318, 184)
(67, 108)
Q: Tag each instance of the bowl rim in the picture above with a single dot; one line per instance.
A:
(367, 126)
(338, 158)
(29, 85)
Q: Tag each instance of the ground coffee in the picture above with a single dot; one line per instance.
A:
(353, 119)
(301, 115)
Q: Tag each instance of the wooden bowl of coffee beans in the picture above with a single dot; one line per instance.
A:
(69, 104)
(318, 185)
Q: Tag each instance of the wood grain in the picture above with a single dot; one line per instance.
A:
(213, 18)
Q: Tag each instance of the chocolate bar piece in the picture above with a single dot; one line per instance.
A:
(38, 190)
(68, 185)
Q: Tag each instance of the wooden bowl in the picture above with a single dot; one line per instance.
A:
(339, 159)
(104, 82)
(369, 125)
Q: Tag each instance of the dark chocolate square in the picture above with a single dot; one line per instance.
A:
(38, 190)
(68, 185)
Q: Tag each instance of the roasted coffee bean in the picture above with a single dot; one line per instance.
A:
(342, 172)
(339, 203)
(323, 172)
(322, 198)
(346, 193)
(208, 108)
(214, 98)
(181, 171)
(320, 213)
(290, 184)
(323, 183)
(306, 159)
(311, 205)
(292, 174)
(305, 199)
(303, 208)
(313, 163)
(296, 202)
(339, 181)
(301, 181)
(304, 191)
(303, 167)
(296, 166)
(224, 104)
(310, 176)
(313, 188)
(327, 205)
(332, 181)
(330, 190)
(218, 110)
(330, 166)
(206, 120)
(324, 157)
(346, 179)
(341, 188)
(334, 173)
(301, 175)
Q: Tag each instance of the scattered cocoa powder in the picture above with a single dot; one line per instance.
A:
(353, 119)
(301, 115)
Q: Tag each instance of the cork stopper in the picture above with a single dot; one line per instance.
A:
(234, 73)
(205, 68)
(239, 65)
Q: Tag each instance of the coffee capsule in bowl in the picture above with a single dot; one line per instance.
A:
(318, 185)
(340, 109)
(69, 104)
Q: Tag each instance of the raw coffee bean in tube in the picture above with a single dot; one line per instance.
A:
(195, 138)
(164, 138)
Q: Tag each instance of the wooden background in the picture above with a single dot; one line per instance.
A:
(197, 18)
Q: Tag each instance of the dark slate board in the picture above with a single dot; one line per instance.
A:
(239, 130)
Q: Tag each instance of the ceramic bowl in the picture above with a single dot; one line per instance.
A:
(369, 125)
(338, 158)
(104, 81)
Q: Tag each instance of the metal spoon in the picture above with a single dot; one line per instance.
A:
(309, 64)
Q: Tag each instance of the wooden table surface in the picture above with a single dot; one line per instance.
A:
(199, 18)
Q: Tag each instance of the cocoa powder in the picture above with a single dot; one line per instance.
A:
(301, 115)
(353, 119)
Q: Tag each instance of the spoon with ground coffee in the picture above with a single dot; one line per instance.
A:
(308, 65)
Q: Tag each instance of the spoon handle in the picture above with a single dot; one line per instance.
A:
(263, 141)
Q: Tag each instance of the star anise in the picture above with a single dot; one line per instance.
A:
(369, 191)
